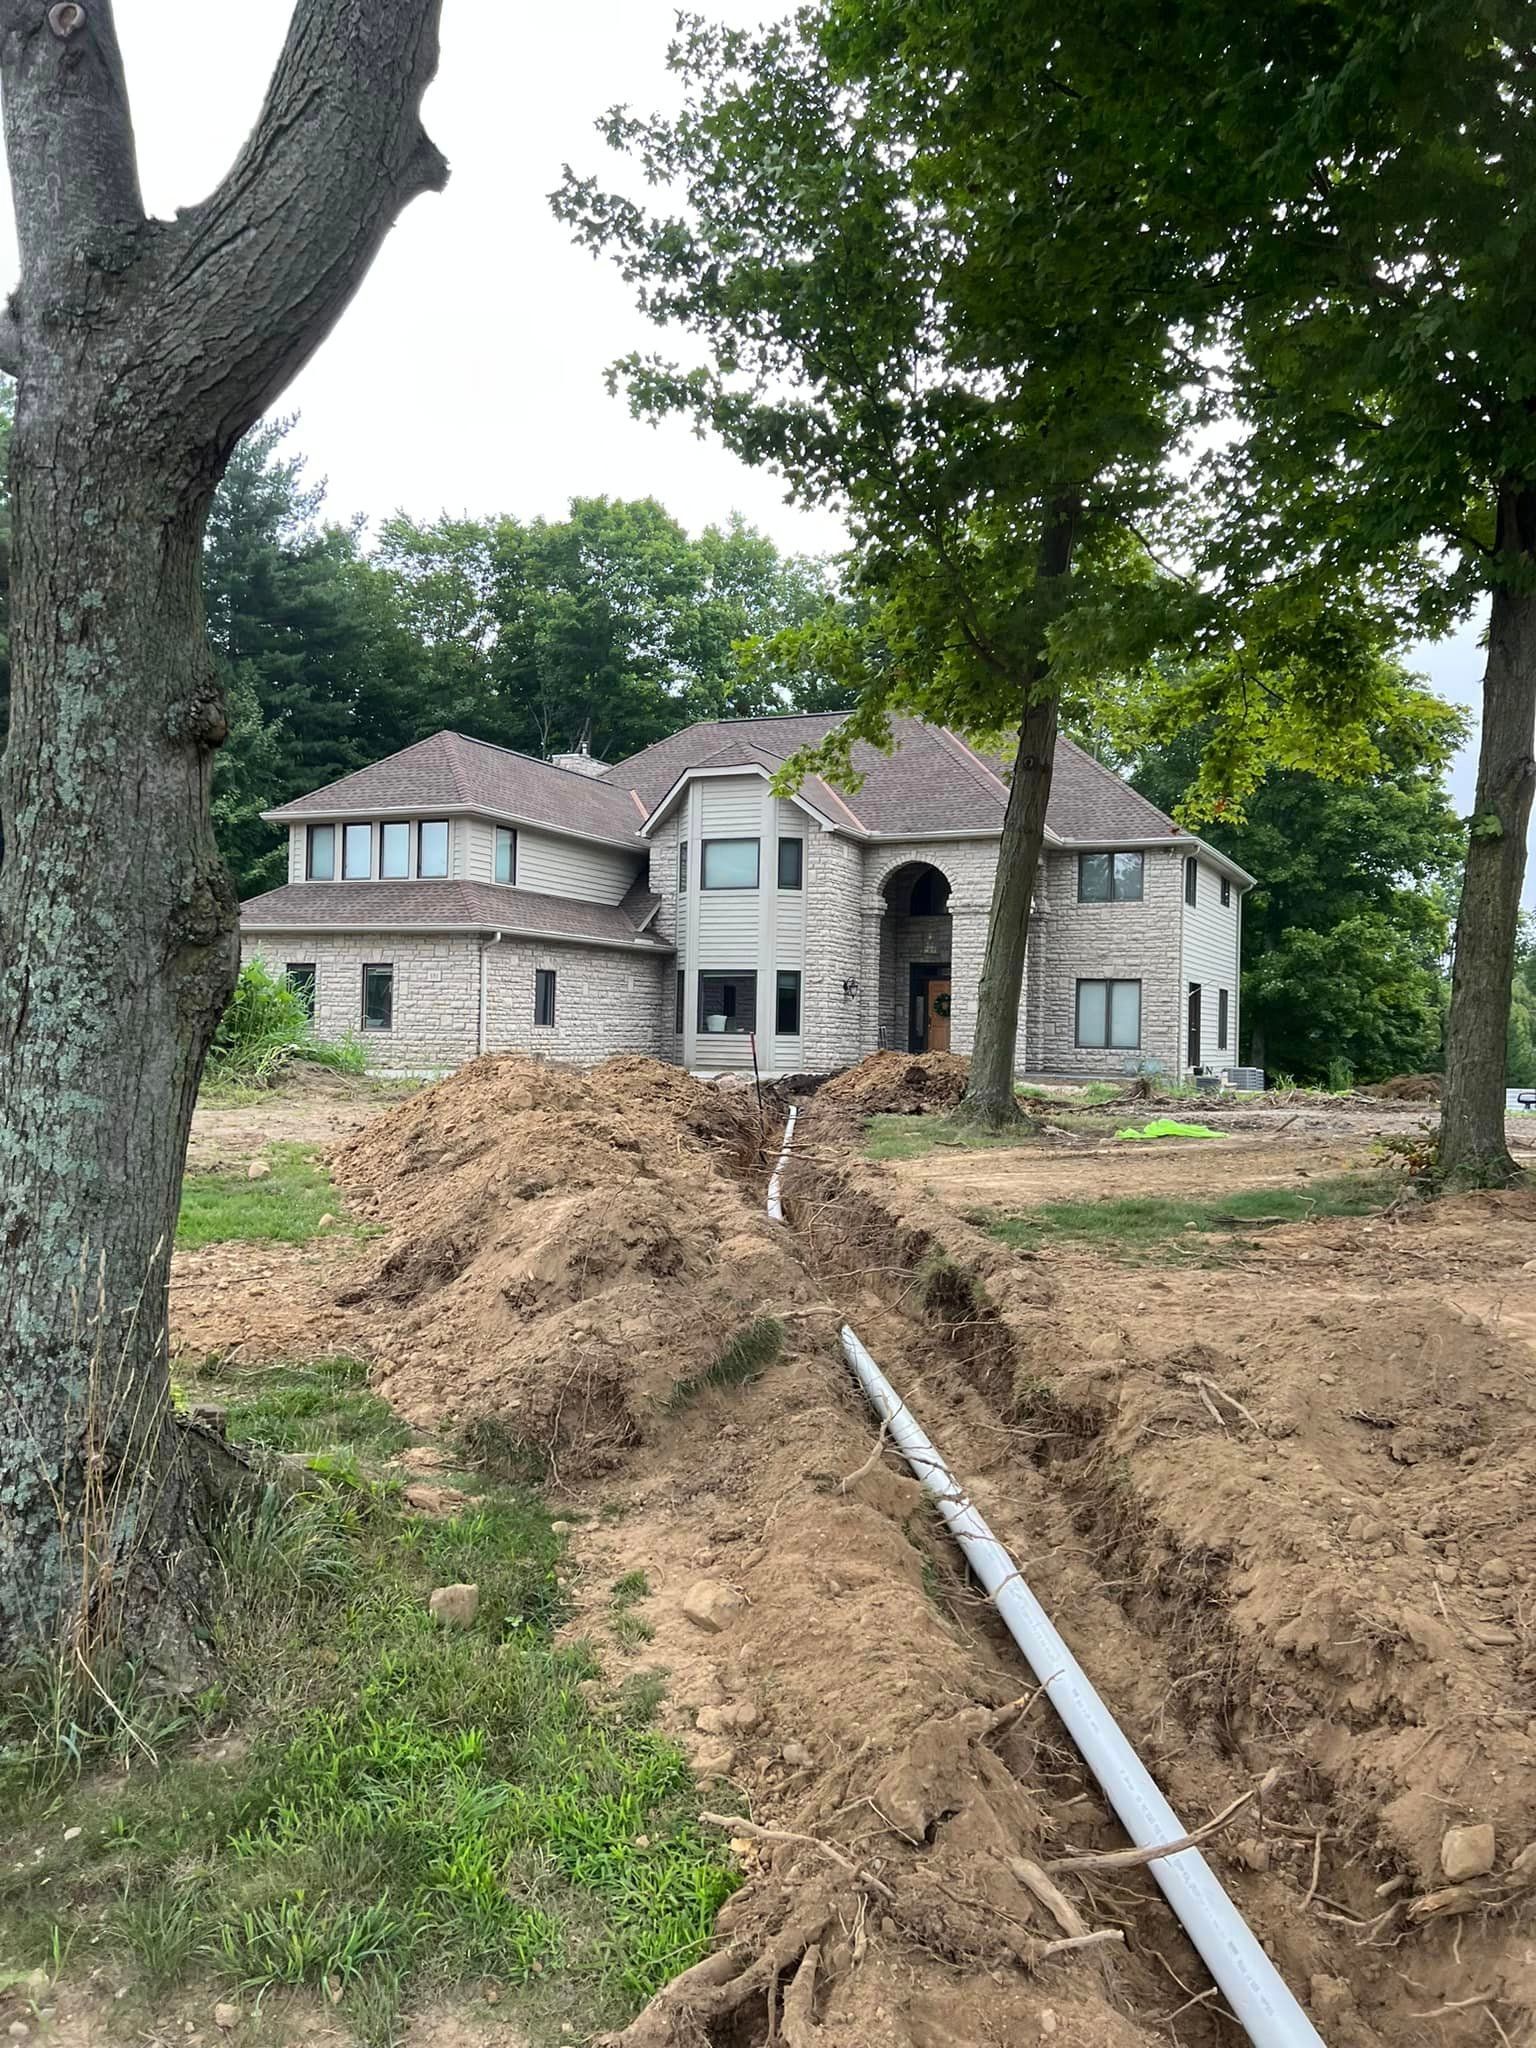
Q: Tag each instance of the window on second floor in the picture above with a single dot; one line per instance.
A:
(729, 864)
(506, 854)
(1226, 891)
(321, 863)
(1191, 881)
(357, 853)
(394, 852)
(682, 867)
(791, 863)
(1110, 877)
(432, 849)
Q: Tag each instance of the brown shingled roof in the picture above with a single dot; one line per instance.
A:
(451, 773)
(448, 906)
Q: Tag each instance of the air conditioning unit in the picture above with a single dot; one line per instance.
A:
(1250, 1079)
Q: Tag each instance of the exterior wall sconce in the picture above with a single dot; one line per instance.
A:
(850, 990)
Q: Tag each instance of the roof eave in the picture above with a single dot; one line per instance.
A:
(468, 928)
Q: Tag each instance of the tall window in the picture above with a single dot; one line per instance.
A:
(378, 998)
(1191, 880)
(300, 977)
(432, 849)
(394, 852)
(727, 1004)
(1109, 1014)
(506, 854)
(682, 867)
(787, 1006)
(1226, 891)
(791, 863)
(357, 852)
(544, 998)
(682, 999)
(322, 853)
(1109, 877)
(729, 864)
(1221, 1020)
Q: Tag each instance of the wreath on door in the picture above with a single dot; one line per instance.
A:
(941, 1006)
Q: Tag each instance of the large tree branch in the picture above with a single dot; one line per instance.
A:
(69, 140)
(258, 275)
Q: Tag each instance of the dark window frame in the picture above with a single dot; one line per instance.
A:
(546, 986)
(346, 835)
(680, 1022)
(309, 854)
(1192, 880)
(387, 969)
(506, 833)
(797, 841)
(387, 826)
(1108, 984)
(682, 867)
(1223, 1019)
(303, 977)
(1226, 892)
(783, 976)
(730, 978)
(1114, 856)
(730, 888)
(421, 826)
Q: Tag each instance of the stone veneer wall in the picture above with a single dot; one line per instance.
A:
(968, 865)
(606, 1000)
(1111, 941)
(833, 1026)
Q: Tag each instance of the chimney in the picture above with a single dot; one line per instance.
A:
(579, 763)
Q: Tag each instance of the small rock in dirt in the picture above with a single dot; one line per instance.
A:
(1365, 1529)
(1471, 1455)
(455, 1606)
(744, 1715)
(1524, 1864)
(325, 1222)
(1048, 2023)
(226, 2016)
(1447, 1574)
(1254, 1855)
(1468, 1852)
(1329, 1994)
(258, 1170)
(440, 1502)
(1496, 1572)
(715, 1763)
(19, 2030)
(714, 1720)
(73, 1834)
(561, 1528)
(797, 1756)
(712, 1605)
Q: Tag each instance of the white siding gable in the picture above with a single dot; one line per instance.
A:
(1211, 958)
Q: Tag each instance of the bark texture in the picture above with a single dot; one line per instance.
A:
(1473, 1147)
(989, 1096)
(143, 351)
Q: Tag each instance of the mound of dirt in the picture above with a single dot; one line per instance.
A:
(561, 1249)
(898, 1084)
(1406, 1088)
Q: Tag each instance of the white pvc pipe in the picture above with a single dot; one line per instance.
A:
(1253, 1987)
(776, 1184)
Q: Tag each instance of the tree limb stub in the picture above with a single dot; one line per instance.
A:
(260, 273)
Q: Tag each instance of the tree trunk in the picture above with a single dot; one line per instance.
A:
(143, 351)
(1473, 1149)
(989, 1096)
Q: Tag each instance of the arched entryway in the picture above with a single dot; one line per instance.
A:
(916, 952)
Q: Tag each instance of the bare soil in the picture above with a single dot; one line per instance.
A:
(311, 1107)
(1279, 1510)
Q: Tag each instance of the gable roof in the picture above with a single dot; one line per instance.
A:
(934, 783)
(451, 773)
(454, 906)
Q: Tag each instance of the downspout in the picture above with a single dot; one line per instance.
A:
(1253, 1987)
(485, 947)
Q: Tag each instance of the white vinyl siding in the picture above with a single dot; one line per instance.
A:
(571, 867)
(1210, 957)
(298, 841)
(479, 850)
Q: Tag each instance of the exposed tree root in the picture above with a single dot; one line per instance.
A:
(681, 2015)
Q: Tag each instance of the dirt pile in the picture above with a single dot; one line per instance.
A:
(898, 1084)
(561, 1249)
(1405, 1088)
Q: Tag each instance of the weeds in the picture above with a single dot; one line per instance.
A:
(630, 1629)
(267, 1029)
(408, 1806)
(228, 1207)
(1142, 1226)
(755, 1347)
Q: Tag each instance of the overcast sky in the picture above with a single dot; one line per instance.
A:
(468, 374)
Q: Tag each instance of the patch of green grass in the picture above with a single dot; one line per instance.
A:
(321, 1406)
(227, 1207)
(755, 1347)
(630, 1630)
(1091, 1095)
(914, 1137)
(409, 1806)
(1139, 1226)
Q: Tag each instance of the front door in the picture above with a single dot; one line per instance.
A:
(938, 1016)
(1194, 1023)
(928, 1009)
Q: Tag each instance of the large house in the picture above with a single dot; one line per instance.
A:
(458, 899)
